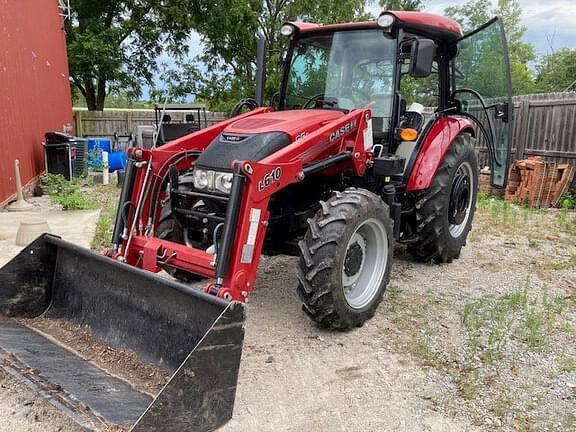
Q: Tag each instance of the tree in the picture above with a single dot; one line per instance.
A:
(225, 72)
(474, 13)
(556, 72)
(113, 44)
(402, 5)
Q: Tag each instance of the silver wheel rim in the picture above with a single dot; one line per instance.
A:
(464, 169)
(361, 280)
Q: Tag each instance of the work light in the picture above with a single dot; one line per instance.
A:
(386, 20)
(287, 30)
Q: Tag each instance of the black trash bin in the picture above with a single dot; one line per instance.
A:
(66, 155)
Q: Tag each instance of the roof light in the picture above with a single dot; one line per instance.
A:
(287, 30)
(386, 20)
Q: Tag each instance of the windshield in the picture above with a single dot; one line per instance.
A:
(343, 70)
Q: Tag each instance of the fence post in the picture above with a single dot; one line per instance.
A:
(522, 119)
(78, 122)
(129, 122)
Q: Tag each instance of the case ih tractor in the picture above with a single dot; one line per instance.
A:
(343, 165)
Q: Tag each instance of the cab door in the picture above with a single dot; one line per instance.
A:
(481, 85)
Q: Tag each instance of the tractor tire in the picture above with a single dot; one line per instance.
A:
(169, 229)
(346, 259)
(444, 211)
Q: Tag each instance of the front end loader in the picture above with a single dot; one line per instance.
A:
(344, 163)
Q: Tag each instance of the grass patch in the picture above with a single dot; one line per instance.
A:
(497, 216)
(567, 364)
(107, 199)
(492, 323)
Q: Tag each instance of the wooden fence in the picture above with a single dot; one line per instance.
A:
(544, 125)
(124, 121)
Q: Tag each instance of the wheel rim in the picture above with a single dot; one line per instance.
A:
(461, 196)
(364, 263)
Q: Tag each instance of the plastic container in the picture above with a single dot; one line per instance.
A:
(117, 161)
(96, 146)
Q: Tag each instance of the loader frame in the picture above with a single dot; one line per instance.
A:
(234, 267)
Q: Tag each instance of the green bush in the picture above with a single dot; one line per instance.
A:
(65, 193)
(568, 200)
(56, 184)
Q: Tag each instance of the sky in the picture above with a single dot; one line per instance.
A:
(551, 25)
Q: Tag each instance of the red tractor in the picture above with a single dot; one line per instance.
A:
(344, 163)
(340, 168)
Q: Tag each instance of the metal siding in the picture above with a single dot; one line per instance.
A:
(34, 86)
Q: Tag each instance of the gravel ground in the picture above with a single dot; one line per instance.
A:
(483, 344)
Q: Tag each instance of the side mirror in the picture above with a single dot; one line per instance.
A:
(421, 58)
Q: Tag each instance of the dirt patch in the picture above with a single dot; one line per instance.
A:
(122, 363)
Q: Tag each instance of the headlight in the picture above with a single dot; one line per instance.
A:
(212, 181)
(201, 180)
(223, 182)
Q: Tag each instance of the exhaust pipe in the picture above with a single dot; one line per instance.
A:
(195, 337)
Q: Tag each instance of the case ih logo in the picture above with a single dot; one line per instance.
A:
(339, 133)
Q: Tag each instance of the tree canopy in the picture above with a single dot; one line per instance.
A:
(474, 13)
(403, 5)
(556, 72)
(113, 45)
(225, 72)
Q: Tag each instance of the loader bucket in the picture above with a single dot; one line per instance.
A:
(195, 337)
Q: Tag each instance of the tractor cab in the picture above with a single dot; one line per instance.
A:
(408, 68)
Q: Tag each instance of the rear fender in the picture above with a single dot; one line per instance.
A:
(433, 148)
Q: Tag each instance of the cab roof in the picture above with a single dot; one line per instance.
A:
(430, 25)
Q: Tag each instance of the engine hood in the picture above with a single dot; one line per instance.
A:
(256, 137)
(293, 123)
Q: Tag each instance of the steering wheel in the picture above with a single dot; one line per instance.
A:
(249, 103)
(315, 99)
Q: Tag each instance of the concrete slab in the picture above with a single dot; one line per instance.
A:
(74, 226)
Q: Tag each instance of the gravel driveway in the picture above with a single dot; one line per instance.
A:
(485, 343)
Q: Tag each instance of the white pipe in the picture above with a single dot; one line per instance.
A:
(105, 172)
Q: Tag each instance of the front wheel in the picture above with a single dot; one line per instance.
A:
(444, 212)
(346, 259)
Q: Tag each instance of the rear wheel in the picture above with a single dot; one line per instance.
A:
(444, 212)
(169, 229)
(346, 258)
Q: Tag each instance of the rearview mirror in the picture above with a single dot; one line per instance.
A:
(421, 58)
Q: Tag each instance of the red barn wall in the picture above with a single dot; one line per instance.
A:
(34, 86)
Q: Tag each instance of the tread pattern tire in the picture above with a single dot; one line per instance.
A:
(170, 229)
(435, 242)
(322, 255)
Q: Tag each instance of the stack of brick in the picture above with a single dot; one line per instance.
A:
(537, 183)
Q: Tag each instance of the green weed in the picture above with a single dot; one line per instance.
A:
(66, 193)
(493, 322)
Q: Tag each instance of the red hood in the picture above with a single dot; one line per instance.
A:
(294, 122)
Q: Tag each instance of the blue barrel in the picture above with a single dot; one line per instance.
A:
(96, 146)
(117, 161)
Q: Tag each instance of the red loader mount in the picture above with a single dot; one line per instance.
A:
(343, 164)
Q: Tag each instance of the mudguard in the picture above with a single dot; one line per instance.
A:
(433, 148)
